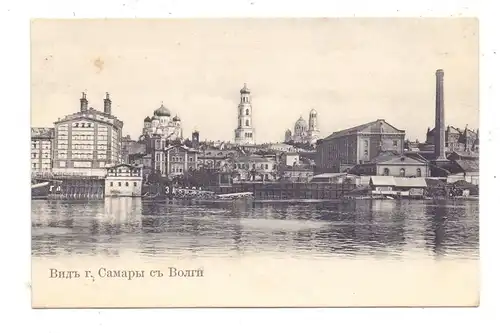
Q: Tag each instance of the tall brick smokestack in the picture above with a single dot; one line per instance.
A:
(107, 104)
(84, 104)
(439, 128)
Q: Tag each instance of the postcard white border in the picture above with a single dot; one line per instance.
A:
(16, 244)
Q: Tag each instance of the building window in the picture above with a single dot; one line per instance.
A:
(119, 184)
(366, 152)
(111, 184)
(126, 183)
(247, 123)
(247, 112)
(402, 172)
(395, 143)
(419, 172)
(135, 184)
(366, 144)
(386, 171)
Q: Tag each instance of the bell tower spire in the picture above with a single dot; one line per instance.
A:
(245, 132)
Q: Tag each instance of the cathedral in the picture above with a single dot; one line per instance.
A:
(304, 132)
(163, 124)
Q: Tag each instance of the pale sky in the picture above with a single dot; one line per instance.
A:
(350, 70)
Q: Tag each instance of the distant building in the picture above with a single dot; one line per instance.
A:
(256, 168)
(88, 140)
(42, 139)
(180, 159)
(245, 132)
(215, 159)
(342, 150)
(304, 132)
(123, 180)
(299, 173)
(162, 123)
(131, 147)
(455, 139)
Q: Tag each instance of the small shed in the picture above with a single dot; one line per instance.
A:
(411, 186)
(382, 184)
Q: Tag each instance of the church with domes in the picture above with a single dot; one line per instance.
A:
(163, 124)
(304, 132)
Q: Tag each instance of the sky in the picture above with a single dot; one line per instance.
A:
(351, 70)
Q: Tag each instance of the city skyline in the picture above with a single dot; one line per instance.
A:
(291, 66)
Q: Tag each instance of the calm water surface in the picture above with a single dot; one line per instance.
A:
(390, 229)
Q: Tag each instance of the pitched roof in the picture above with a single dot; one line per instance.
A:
(382, 181)
(410, 182)
(376, 126)
(329, 175)
(468, 165)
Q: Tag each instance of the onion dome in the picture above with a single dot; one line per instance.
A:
(162, 111)
(244, 90)
(176, 118)
(147, 119)
(155, 117)
(288, 131)
(313, 112)
(301, 122)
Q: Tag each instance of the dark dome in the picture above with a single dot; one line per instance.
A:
(147, 119)
(176, 118)
(162, 112)
(245, 90)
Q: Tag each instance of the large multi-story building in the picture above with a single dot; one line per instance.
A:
(245, 132)
(88, 141)
(342, 150)
(41, 148)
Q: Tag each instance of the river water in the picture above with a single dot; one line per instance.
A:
(388, 229)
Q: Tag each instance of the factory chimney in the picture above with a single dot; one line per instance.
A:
(84, 103)
(439, 128)
(107, 104)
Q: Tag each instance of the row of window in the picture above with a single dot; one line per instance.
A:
(35, 146)
(119, 184)
(37, 155)
(402, 172)
(42, 165)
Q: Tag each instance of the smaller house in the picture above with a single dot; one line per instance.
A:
(466, 170)
(411, 187)
(123, 180)
(391, 164)
(382, 185)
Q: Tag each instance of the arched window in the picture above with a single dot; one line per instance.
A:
(386, 171)
(247, 112)
(247, 123)
(402, 172)
(419, 172)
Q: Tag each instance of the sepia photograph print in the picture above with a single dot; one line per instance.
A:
(271, 162)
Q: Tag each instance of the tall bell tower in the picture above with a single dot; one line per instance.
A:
(245, 133)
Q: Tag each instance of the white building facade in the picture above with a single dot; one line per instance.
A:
(123, 180)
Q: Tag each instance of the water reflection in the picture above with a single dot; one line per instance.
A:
(380, 228)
